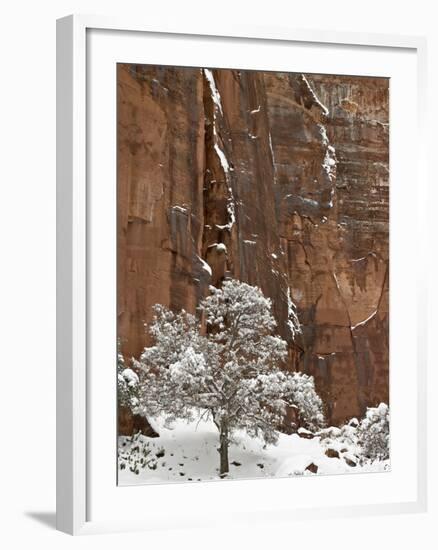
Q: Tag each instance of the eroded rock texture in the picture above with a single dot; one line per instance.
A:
(279, 180)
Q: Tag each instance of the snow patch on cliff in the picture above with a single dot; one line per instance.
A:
(306, 200)
(214, 91)
(205, 266)
(362, 258)
(181, 209)
(273, 158)
(365, 321)
(330, 162)
(292, 317)
(316, 100)
(222, 158)
(220, 247)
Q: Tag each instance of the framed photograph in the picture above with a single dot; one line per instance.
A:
(238, 334)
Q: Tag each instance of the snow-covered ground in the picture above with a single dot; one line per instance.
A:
(188, 452)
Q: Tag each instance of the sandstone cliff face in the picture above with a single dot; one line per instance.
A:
(279, 180)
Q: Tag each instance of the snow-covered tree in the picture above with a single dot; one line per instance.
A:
(373, 433)
(228, 369)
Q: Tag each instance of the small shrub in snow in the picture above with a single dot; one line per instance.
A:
(127, 385)
(231, 374)
(364, 441)
(373, 433)
(135, 454)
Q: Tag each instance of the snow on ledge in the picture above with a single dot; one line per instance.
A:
(317, 101)
(205, 266)
(365, 321)
(220, 247)
(181, 209)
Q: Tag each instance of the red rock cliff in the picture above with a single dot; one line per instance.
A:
(279, 180)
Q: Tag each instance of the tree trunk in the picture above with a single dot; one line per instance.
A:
(223, 450)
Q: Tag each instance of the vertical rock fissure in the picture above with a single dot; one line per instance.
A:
(353, 341)
(219, 222)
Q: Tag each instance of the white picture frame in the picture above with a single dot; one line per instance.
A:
(74, 395)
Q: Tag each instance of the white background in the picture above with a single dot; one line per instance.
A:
(27, 119)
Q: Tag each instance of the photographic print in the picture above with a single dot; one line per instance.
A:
(252, 274)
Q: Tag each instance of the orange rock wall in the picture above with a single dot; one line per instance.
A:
(279, 180)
